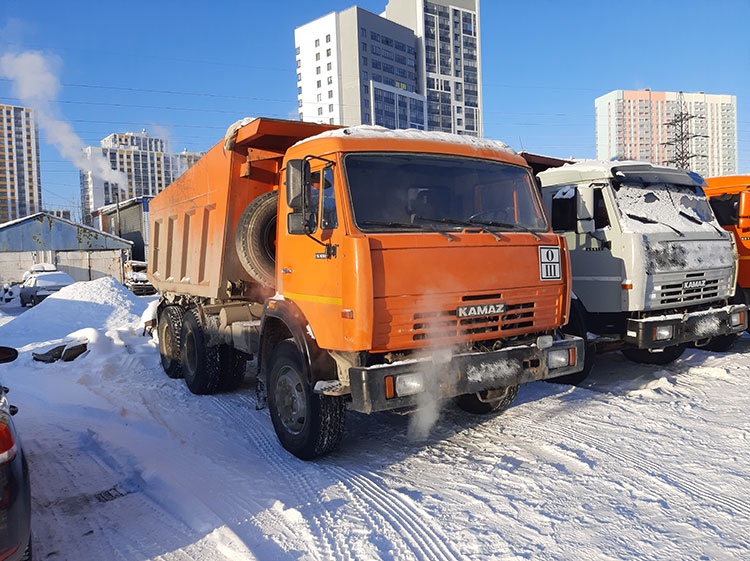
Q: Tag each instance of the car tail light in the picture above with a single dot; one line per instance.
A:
(7, 443)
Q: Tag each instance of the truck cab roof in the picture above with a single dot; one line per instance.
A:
(592, 170)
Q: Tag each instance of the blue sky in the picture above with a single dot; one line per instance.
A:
(187, 69)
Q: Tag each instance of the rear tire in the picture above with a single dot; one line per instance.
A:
(307, 424)
(255, 239)
(169, 328)
(200, 363)
(483, 403)
(669, 354)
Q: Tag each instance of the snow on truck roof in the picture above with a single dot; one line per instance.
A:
(583, 170)
(373, 131)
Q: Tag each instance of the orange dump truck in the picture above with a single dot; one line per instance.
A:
(364, 269)
(729, 197)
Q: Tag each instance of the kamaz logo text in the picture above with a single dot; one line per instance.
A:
(479, 310)
(694, 284)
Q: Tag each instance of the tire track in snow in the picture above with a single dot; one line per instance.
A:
(409, 522)
(670, 479)
(330, 543)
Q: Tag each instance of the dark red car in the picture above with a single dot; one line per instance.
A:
(15, 491)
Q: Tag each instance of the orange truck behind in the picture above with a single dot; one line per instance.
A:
(364, 268)
(729, 196)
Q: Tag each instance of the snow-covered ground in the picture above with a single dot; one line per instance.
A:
(644, 463)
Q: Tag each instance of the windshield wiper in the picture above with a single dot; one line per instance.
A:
(408, 225)
(495, 235)
(505, 225)
(647, 220)
(697, 220)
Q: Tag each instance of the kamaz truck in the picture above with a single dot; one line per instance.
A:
(652, 269)
(729, 196)
(361, 268)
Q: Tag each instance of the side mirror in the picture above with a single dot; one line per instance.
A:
(297, 184)
(744, 220)
(302, 219)
(584, 210)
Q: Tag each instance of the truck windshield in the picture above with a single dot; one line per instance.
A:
(659, 206)
(400, 192)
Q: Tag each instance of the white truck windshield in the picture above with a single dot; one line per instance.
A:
(655, 206)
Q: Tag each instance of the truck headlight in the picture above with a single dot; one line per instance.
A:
(663, 332)
(558, 358)
(409, 384)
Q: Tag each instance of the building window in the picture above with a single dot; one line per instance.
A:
(320, 97)
(363, 45)
(364, 61)
(297, 50)
(328, 52)
(320, 110)
(319, 83)
(364, 75)
(330, 108)
(317, 70)
(330, 94)
(317, 42)
(328, 67)
(317, 56)
(362, 32)
(330, 80)
(299, 77)
(299, 63)
(328, 38)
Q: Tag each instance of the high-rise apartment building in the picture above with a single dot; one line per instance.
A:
(20, 180)
(141, 165)
(415, 66)
(638, 125)
(354, 67)
(449, 60)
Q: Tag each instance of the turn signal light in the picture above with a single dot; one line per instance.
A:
(7, 444)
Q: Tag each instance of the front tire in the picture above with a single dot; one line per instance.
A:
(307, 424)
(643, 356)
(200, 362)
(488, 401)
(577, 326)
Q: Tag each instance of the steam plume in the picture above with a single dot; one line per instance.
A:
(36, 85)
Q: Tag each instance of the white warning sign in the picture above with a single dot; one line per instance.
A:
(549, 263)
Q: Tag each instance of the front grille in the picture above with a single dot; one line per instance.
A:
(676, 293)
(445, 324)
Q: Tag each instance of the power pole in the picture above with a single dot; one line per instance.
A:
(680, 123)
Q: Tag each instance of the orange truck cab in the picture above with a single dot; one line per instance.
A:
(364, 268)
(729, 197)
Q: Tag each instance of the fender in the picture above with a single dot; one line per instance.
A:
(283, 319)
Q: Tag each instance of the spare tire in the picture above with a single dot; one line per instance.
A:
(256, 238)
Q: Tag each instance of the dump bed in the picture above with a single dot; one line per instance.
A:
(194, 220)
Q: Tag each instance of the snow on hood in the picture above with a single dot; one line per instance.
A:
(101, 302)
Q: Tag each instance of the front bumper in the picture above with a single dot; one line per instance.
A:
(457, 374)
(674, 329)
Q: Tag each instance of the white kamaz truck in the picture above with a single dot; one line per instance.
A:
(652, 269)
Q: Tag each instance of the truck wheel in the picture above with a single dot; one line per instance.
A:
(200, 363)
(490, 401)
(669, 354)
(721, 343)
(169, 328)
(256, 238)
(307, 424)
(577, 326)
(231, 368)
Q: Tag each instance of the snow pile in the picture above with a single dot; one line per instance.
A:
(101, 303)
